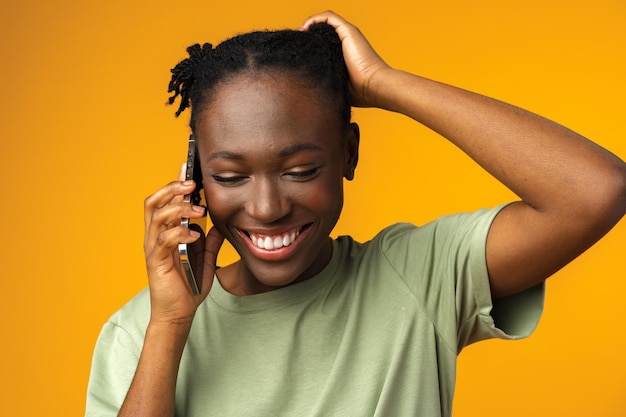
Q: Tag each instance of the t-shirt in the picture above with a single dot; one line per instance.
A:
(376, 333)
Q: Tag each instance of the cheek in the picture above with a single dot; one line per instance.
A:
(324, 197)
(221, 203)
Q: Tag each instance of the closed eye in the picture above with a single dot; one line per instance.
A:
(304, 175)
(228, 180)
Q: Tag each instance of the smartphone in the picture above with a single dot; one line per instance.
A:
(192, 254)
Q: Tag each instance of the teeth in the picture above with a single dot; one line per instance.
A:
(274, 242)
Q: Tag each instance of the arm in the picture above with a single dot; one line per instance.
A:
(572, 190)
(173, 306)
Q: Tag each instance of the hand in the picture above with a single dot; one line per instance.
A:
(363, 63)
(170, 295)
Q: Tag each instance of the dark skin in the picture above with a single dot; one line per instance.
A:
(572, 192)
(274, 157)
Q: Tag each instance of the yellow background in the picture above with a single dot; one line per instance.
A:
(85, 136)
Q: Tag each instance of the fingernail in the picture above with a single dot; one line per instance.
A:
(193, 233)
(188, 183)
(199, 209)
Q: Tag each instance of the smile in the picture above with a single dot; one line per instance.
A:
(274, 246)
(275, 241)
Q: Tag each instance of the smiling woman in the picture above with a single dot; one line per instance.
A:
(277, 159)
(306, 325)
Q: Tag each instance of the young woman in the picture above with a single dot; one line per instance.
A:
(304, 325)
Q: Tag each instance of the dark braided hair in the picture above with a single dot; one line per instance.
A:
(315, 56)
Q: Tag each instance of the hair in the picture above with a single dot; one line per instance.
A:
(314, 57)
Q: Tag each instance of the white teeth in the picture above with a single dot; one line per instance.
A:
(274, 242)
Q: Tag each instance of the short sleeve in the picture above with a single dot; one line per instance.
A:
(444, 265)
(114, 363)
(479, 317)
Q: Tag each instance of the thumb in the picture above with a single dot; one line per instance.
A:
(213, 243)
(183, 172)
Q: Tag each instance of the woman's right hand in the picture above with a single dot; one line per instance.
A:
(170, 295)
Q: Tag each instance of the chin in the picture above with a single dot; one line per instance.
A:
(275, 275)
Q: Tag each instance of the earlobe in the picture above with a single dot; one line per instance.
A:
(352, 151)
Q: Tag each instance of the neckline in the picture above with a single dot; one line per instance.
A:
(280, 297)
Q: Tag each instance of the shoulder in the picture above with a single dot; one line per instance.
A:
(431, 257)
(138, 306)
(447, 230)
(132, 318)
(116, 355)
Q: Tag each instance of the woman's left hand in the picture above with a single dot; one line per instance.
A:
(362, 61)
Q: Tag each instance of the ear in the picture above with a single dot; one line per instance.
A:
(353, 136)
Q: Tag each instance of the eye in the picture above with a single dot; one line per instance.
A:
(229, 179)
(303, 175)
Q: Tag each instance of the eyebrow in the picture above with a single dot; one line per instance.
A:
(299, 147)
(226, 155)
(289, 150)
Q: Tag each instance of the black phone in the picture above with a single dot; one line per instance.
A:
(192, 254)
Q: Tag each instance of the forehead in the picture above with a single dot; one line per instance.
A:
(268, 109)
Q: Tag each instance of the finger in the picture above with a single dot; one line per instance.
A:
(213, 243)
(172, 192)
(163, 256)
(214, 240)
(349, 35)
(183, 172)
(317, 18)
(168, 217)
(331, 18)
(182, 175)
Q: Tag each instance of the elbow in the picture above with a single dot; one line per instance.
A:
(609, 196)
(621, 187)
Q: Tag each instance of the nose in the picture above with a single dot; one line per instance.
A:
(267, 202)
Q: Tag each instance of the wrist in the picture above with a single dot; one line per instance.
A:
(172, 336)
(382, 86)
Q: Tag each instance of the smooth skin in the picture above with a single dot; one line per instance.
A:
(274, 158)
(572, 192)
(173, 306)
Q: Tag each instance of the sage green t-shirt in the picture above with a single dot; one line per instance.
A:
(376, 333)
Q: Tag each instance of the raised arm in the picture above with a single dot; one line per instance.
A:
(572, 190)
(173, 306)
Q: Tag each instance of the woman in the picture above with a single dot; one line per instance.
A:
(310, 326)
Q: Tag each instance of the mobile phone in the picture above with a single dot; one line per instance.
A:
(192, 254)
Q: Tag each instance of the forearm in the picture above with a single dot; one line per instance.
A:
(547, 165)
(153, 389)
(572, 190)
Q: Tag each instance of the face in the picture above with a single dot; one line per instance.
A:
(273, 158)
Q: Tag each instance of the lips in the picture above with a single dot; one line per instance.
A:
(273, 243)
